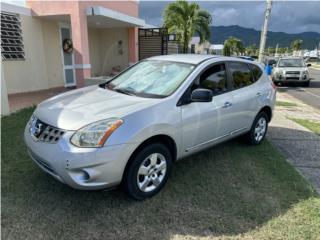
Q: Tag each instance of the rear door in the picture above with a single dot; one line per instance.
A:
(245, 94)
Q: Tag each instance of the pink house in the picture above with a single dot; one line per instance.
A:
(63, 43)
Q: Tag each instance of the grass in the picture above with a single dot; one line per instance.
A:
(285, 104)
(314, 126)
(231, 191)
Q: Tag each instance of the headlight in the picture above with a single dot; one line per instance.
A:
(95, 134)
(305, 72)
(278, 72)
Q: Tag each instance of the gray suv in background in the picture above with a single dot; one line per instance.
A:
(288, 70)
(131, 129)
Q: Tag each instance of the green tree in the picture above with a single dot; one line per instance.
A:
(282, 50)
(296, 45)
(185, 19)
(252, 50)
(233, 46)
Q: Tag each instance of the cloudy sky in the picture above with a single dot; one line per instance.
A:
(291, 17)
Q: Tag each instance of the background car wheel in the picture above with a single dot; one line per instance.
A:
(259, 129)
(148, 171)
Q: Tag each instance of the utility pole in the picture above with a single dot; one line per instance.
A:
(264, 30)
(276, 54)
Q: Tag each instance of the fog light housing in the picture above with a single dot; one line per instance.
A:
(83, 175)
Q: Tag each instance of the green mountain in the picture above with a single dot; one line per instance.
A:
(251, 36)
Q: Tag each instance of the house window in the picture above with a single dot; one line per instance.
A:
(11, 37)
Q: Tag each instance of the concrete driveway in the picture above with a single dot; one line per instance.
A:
(298, 144)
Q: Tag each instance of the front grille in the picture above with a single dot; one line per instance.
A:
(292, 78)
(292, 72)
(44, 132)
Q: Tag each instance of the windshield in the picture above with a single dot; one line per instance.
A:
(291, 63)
(151, 78)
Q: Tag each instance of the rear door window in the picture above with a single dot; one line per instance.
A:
(241, 74)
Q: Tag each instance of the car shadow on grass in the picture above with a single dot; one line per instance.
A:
(227, 190)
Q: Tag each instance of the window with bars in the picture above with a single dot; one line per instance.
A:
(11, 37)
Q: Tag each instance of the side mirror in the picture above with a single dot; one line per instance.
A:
(273, 65)
(309, 65)
(201, 95)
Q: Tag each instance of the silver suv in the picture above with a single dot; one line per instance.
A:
(132, 128)
(291, 70)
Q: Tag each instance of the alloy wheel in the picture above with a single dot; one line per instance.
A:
(151, 172)
(260, 129)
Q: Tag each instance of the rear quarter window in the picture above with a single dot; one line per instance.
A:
(256, 72)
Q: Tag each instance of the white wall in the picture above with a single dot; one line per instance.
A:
(104, 51)
(95, 52)
(52, 53)
(42, 66)
(4, 96)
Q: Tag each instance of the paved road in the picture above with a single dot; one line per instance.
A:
(309, 95)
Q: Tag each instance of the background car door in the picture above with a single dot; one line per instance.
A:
(244, 95)
(204, 122)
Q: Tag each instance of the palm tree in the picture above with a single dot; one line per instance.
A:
(187, 19)
(252, 49)
(233, 46)
(296, 44)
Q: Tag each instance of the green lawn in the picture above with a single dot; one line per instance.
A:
(231, 191)
(285, 104)
(311, 125)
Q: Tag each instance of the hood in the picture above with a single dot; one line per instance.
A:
(75, 109)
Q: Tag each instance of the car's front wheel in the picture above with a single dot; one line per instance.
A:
(148, 171)
(259, 129)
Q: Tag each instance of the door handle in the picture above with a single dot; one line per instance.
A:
(258, 94)
(227, 104)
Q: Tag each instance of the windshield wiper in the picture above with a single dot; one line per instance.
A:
(124, 91)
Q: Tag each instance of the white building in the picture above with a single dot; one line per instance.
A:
(216, 49)
(196, 47)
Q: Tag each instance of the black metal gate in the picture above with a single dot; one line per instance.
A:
(156, 41)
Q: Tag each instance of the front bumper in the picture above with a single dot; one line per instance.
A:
(80, 168)
(284, 78)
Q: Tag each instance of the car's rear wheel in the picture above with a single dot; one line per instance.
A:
(259, 129)
(148, 171)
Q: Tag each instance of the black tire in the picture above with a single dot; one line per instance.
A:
(130, 180)
(251, 135)
(306, 84)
